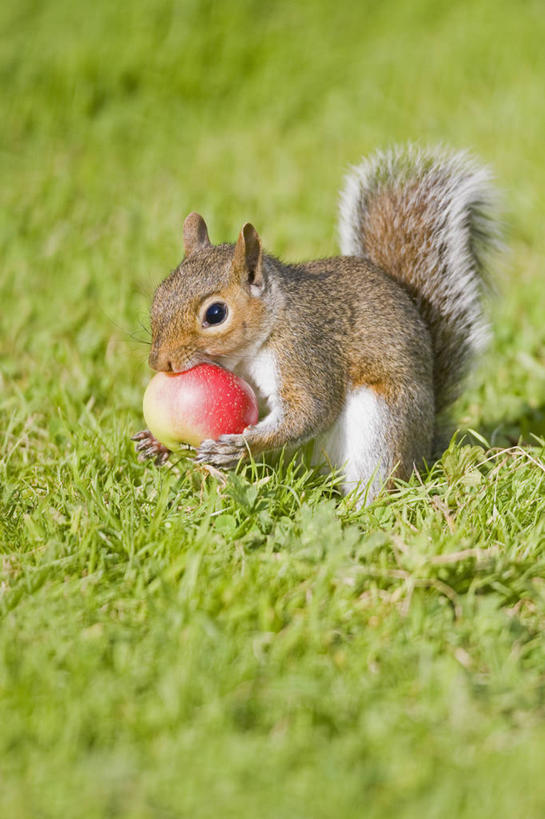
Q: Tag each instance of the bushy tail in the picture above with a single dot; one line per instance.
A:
(427, 218)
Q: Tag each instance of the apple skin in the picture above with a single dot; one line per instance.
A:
(203, 402)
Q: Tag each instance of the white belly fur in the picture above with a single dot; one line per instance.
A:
(356, 444)
(261, 373)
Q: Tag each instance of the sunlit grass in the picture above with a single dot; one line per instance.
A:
(172, 645)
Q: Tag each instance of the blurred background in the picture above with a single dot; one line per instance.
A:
(119, 118)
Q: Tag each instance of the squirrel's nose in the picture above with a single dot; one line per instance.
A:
(160, 360)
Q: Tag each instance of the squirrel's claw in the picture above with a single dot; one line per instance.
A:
(224, 453)
(150, 448)
(139, 436)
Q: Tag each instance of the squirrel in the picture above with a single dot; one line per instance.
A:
(362, 353)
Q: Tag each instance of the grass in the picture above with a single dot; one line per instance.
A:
(171, 647)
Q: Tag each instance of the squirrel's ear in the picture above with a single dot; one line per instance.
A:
(195, 234)
(248, 258)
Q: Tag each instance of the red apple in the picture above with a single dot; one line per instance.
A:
(203, 402)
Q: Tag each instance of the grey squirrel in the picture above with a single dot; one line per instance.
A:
(362, 353)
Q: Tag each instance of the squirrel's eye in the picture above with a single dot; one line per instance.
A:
(216, 313)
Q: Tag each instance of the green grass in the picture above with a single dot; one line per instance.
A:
(171, 647)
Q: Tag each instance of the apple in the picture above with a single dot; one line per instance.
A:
(203, 402)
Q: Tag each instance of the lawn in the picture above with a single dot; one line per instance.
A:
(174, 647)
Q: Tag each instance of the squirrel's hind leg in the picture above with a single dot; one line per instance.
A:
(357, 444)
(374, 439)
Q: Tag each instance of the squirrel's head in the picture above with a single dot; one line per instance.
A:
(210, 308)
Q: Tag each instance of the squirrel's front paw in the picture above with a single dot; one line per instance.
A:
(225, 452)
(149, 447)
